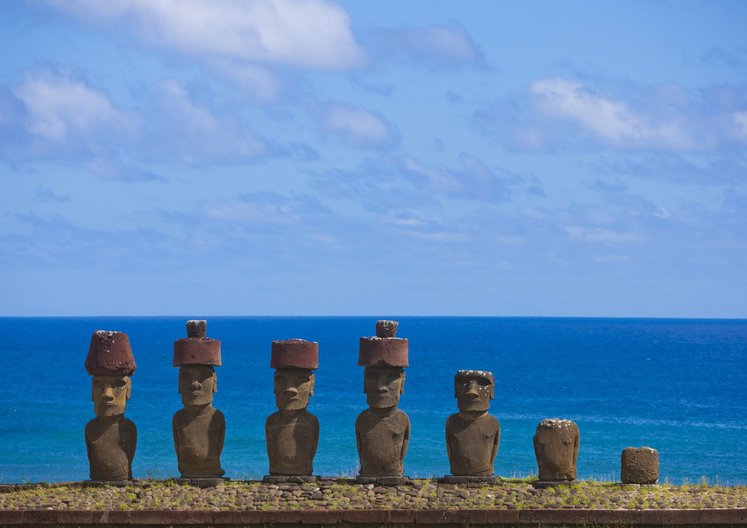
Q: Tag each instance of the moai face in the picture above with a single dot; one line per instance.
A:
(473, 391)
(197, 384)
(383, 386)
(110, 394)
(293, 388)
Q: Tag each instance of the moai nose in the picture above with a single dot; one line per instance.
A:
(109, 393)
(291, 391)
(195, 385)
(472, 391)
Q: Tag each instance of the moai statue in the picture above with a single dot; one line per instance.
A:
(382, 431)
(111, 438)
(472, 435)
(639, 465)
(199, 429)
(556, 448)
(292, 433)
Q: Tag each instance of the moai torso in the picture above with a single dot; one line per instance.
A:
(198, 441)
(556, 448)
(292, 439)
(111, 443)
(382, 440)
(472, 444)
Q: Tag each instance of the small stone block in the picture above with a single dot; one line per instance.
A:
(386, 328)
(458, 479)
(384, 481)
(198, 482)
(639, 465)
(196, 328)
(288, 479)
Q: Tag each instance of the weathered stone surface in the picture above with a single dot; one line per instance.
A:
(196, 349)
(556, 444)
(386, 328)
(292, 433)
(199, 430)
(382, 431)
(109, 354)
(639, 465)
(111, 439)
(472, 435)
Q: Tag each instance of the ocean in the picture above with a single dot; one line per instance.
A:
(675, 385)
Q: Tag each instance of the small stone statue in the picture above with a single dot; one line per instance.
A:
(556, 448)
(472, 435)
(639, 465)
(382, 431)
(111, 438)
(199, 429)
(292, 433)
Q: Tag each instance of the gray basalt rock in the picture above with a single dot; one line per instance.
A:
(199, 429)
(111, 438)
(639, 465)
(292, 433)
(382, 431)
(556, 448)
(472, 435)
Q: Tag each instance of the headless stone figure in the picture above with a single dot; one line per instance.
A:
(292, 433)
(382, 431)
(111, 438)
(199, 429)
(556, 448)
(472, 435)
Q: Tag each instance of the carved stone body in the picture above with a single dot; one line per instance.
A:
(292, 438)
(111, 443)
(198, 441)
(556, 448)
(639, 465)
(472, 444)
(382, 436)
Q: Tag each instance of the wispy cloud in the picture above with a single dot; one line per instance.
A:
(355, 125)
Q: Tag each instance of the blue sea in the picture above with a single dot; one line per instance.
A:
(675, 385)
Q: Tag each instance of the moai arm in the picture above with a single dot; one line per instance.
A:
(131, 451)
(448, 441)
(314, 436)
(405, 441)
(221, 437)
(496, 440)
(175, 434)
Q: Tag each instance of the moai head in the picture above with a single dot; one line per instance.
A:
(556, 448)
(473, 390)
(294, 361)
(111, 364)
(385, 358)
(196, 356)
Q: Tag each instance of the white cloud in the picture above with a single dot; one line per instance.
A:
(601, 235)
(740, 123)
(305, 33)
(355, 125)
(59, 107)
(609, 119)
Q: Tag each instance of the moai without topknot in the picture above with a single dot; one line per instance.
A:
(472, 435)
(292, 433)
(382, 431)
(199, 429)
(556, 448)
(111, 438)
(639, 465)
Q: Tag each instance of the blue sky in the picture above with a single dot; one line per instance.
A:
(423, 157)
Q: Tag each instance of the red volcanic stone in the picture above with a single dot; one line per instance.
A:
(295, 353)
(109, 354)
(386, 328)
(196, 349)
(383, 350)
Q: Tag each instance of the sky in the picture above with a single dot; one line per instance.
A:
(164, 157)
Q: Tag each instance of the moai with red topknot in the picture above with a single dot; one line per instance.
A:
(472, 435)
(382, 431)
(292, 433)
(111, 438)
(199, 429)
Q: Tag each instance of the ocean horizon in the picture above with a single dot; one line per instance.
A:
(672, 384)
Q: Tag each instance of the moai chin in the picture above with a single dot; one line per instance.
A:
(111, 438)
(556, 449)
(292, 433)
(199, 429)
(382, 431)
(472, 435)
(639, 465)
